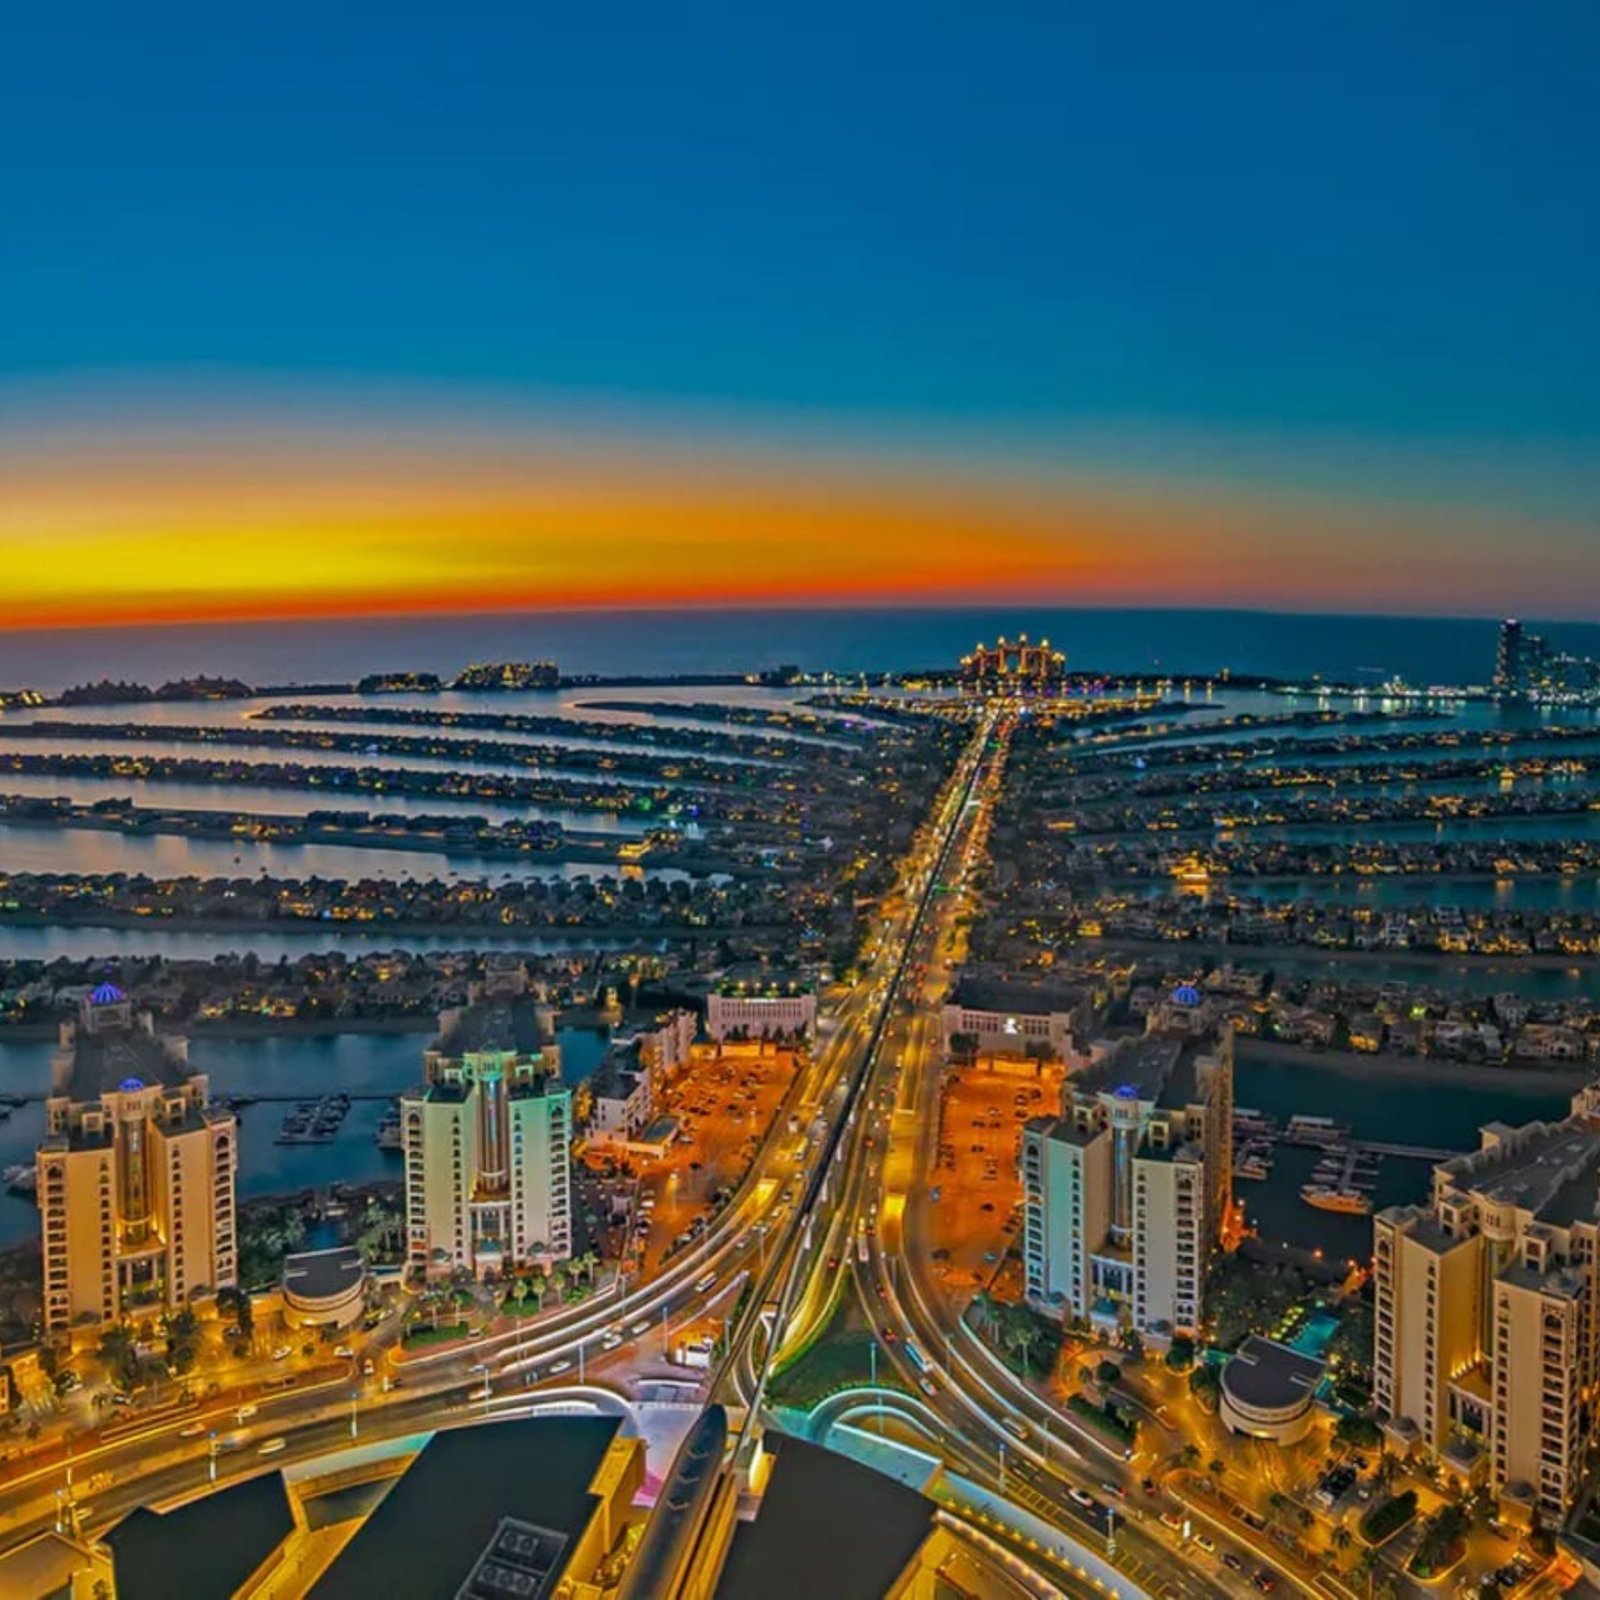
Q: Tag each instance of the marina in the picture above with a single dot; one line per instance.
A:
(1347, 1171)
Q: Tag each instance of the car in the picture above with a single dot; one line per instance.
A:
(344, 1352)
(1080, 1497)
(558, 1367)
(1206, 1543)
(611, 1341)
(641, 1326)
(1115, 1490)
(282, 1353)
(1232, 1562)
(192, 1431)
(833, 1263)
(366, 1368)
(272, 1447)
(1171, 1519)
(887, 1334)
(927, 1385)
(1264, 1580)
(122, 1400)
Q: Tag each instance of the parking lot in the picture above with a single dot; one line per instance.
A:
(724, 1105)
(976, 1194)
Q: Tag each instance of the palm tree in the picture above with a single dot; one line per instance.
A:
(519, 1293)
(1367, 1565)
(983, 1306)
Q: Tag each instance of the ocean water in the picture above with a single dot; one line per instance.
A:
(1281, 644)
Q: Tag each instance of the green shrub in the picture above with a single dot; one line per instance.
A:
(1385, 1520)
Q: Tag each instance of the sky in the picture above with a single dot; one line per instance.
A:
(328, 310)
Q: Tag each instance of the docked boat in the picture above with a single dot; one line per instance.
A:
(21, 1180)
(1327, 1198)
(1320, 1132)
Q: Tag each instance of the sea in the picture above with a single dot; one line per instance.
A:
(1344, 649)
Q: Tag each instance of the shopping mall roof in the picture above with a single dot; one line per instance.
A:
(873, 1525)
(208, 1547)
(476, 1505)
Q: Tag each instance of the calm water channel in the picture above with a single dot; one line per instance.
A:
(356, 1063)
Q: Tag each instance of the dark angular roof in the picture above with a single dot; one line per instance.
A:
(827, 1526)
(468, 1490)
(208, 1547)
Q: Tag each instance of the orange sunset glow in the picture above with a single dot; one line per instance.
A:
(155, 533)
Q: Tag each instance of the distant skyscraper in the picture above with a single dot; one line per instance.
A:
(488, 1138)
(1509, 669)
(136, 1172)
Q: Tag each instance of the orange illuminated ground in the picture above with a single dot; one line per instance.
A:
(980, 1131)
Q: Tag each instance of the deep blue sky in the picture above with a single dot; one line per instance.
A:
(1220, 226)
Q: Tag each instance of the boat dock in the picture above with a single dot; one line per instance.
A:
(314, 1121)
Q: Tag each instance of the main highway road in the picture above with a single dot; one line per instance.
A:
(155, 1459)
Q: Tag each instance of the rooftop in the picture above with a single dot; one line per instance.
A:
(212, 1544)
(1158, 1067)
(493, 1027)
(1267, 1376)
(322, 1274)
(109, 1060)
(873, 1528)
(1017, 996)
(1538, 1166)
(482, 1512)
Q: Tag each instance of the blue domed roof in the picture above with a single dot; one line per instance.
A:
(108, 994)
(131, 1085)
(1125, 1091)
(1186, 995)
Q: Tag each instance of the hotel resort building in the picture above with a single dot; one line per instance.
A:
(1487, 1306)
(488, 1137)
(763, 1008)
(136, 1172)
(1126, 1192)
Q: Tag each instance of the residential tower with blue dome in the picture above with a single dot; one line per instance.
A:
(137, 1173)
